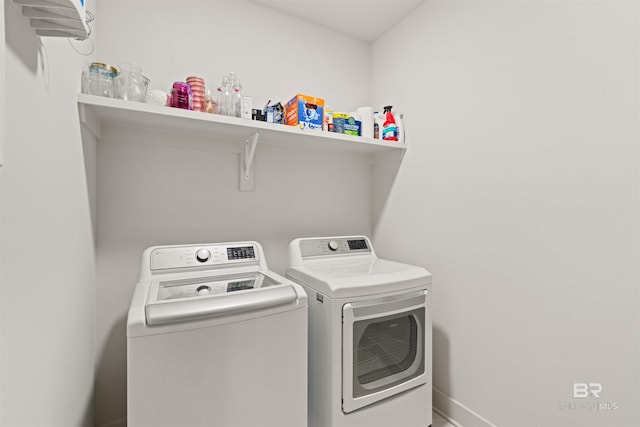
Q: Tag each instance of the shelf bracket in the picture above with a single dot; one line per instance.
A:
(249, 152)
(248, 157)
(89, 119)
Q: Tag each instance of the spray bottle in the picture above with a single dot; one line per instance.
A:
(389, 128)
(399, 118)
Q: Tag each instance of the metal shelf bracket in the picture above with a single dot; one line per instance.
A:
(249, 152)
(248, 156)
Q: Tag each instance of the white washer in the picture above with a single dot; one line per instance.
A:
(215, 339)
(369, 334)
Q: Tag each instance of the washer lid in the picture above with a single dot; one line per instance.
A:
(339, 278)
(172, 301)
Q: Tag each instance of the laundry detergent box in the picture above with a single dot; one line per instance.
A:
(305, 111)
(352, 126)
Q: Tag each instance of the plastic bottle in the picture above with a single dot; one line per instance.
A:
(327, 120)
(400, 124)
(366, 117)
(389, 128)
(378, 120)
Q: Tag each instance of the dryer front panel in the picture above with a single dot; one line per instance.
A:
(383, 348)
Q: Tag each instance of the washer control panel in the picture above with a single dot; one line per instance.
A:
(241, 252)
(164, 258)
(334, 246)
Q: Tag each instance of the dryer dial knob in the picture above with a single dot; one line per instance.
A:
(333, 245)
(203, 255)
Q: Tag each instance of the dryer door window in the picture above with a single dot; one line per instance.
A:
(383, 348)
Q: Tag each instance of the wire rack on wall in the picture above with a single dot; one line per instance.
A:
(57, 18)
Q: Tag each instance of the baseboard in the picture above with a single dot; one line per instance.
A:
(118, 423)
(456, 413)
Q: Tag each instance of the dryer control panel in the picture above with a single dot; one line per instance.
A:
(334, 246)
(169, 257)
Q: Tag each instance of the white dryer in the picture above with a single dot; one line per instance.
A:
(369, 334)
(214, 338)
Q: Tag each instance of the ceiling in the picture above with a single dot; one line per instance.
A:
(363, 19)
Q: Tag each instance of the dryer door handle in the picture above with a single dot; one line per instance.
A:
(217, 306)
(368, 309)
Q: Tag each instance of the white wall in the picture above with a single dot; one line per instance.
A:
(47, 310)
(520, 192)
(150, 192)
(274, 55)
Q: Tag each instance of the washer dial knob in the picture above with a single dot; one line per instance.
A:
(203, 290)
(203, 255)
(333, 245)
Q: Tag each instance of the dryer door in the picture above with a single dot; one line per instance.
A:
(383, 348)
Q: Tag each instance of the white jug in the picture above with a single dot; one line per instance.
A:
(366, 117)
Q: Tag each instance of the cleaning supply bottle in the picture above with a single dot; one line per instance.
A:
(389, 128)
(378, 121)
(398, 117)
(366, 117)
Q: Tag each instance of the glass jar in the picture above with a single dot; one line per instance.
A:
(224, 106)
(210, 102)
(181, 96)
(103, 69)
(99, 80)
(236, 96)
(130, 84)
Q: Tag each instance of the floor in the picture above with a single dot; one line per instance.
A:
(439, 421)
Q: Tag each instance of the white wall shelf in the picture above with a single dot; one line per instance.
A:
(55, 18)
(96, 111)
